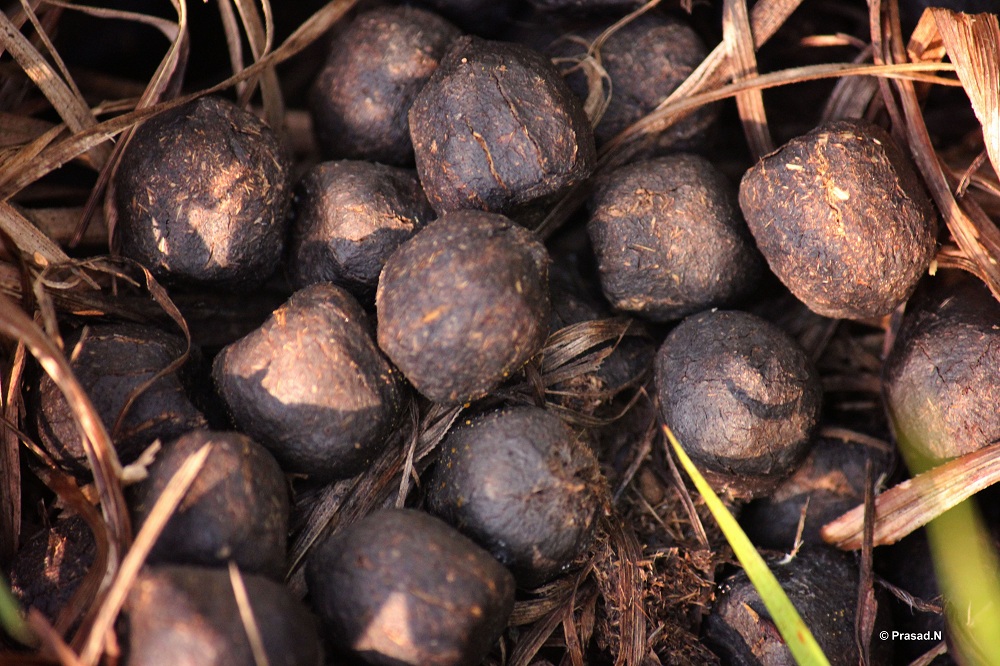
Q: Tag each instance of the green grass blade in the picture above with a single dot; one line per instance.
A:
(11, 619)
(797, 635)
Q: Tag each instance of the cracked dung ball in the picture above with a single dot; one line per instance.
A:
(741, 397)
(190, 615)
(236, 509)
(497, 129)
(376, 67)
(111, 361)
(669, 239)
(842, 219)
(822, 583)
(402, 587)
(202, 194)
(464, 304)
(522, 484)
(940, 379)
(349, 217)
(646, 60)
(312, 386)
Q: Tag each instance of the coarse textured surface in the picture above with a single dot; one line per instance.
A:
(669, 238)
(823, 586)
(349, 217)
(110, 361)
(941, 378)
(646, 60)
(463, 304)
(497, 129)
(741, 397)
(831, 479)
(842, 219)
(312, 386)
(202, 194)
(523, 485)
(376, 67)
(51, 564)
(189, 616)
(402, 587)
(236, 509)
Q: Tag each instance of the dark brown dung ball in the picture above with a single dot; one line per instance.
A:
(646, 60)
(178, 615)
(312, 386)
(111, 361)
(463, 304)
(50, 565)
(831, 479)
(942, 378)
(842, 219)
(402, 587)
(376, 67)
(741, 397)
(823, 586)
(349, 217)
(669, 238)
(236, 509)
(482, 17)
(202, 193)
(497, 129)
(523, 485)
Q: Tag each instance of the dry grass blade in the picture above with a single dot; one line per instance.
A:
(165, 82)
(51, 642)
(261, 38)
(28, 238)
(71, 106)
(101, 455)
(738, 38)
(160, 296)
(915, 502)
(247, 617)
(973, 45)
(161, 512)
(58, 154)
(10, 459)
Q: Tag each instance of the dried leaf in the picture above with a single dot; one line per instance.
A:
(160, 513)
(71, 106)
(738, 39)
(973, 45)
(915, 502)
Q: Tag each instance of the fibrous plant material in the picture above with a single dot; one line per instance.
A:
(193, 615)
(464, 304)
(646, 60)
(831, 479)
(822, 584)
(312, 386)
(202, 193)
(402, 587)
(940, 379)
(235, 511)
(111, 361)
(741, 396)
(497, 129)
(522, 484)
(348, 218)
(842, 219)
(669, 238)
(376, 67)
